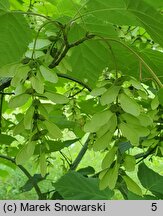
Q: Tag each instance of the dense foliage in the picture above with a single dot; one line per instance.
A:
(79, 76)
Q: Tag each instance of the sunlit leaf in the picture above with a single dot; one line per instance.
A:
(129, 105)
(129, 163)
(19, 100)
(109, 158)
(43, 165)
(56, 98)
(132, 186)
(110, 95)
(54, 131)
(98, 120)
(48, 74)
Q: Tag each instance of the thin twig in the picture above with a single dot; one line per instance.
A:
(66, 76)
(37, 35)
(76, 93)
(142, 156)
(6, 93)
(66, 158)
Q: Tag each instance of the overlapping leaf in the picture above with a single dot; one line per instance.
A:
(152, 181)
(88, 60)
(73, 186)
(15, 35)
(129, 12)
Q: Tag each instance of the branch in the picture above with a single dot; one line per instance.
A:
(66, 76)
(67, 47)
(36, 187)
(144, 155)
(80, 155)
(78, 92)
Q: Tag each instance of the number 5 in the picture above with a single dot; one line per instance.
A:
(154, 207)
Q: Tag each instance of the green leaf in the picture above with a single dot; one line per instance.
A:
(129, 163)
(124, 146)
(103, 142)
(140, 130)
(133, 132)
(56, 98)
(55, 146)
(149, 142)
(99, 27)
(19, 100)
(133, 196)
(152, 181)
(4, 6)
(86, 171)
(43, 165)
(155, 103)
(127, 12)
(145, 120)
(110, 95)
(153, 58)
(116, 10)
(109, 126)
(40, 43)
(148, 17)
(37, 84)
(98, 119)
(86, 55)
(129, 105)
(19, 128)
(98, 91)
(20, 76)
(132, 186)
(9, 70)
(23, 155)
(129, 134)
(6, 139)
(66, 8)
(160, 96)
(3, 173)
(71, 185)
(14, 38)
(48, 74)
(157, 4)
(30, 148)
(110, 178)
(109, 158)
(28, 118)
(130, 119)
(54, 131)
